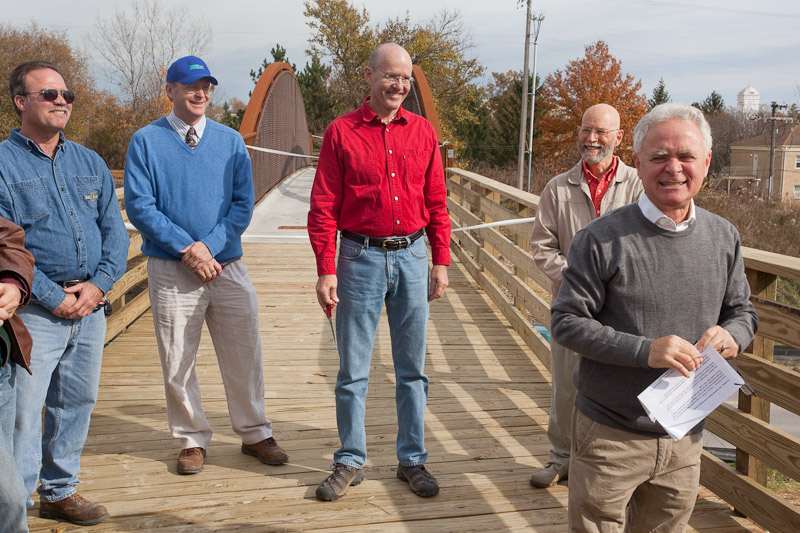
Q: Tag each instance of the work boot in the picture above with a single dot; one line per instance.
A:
(335, 485)
(551, 474)
(190, 460)
(267, 451)
(420, 481)
(75, 509)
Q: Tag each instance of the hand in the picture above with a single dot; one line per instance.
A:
(722, 341)
(208, 270)
(195, 254)
(88, 298)
(326, 291)
(64, 309)
(674, 352)
(438, 282)
(10, 297)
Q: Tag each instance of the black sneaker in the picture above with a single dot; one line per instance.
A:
(420, 481)
(335, 485)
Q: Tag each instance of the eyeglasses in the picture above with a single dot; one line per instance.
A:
(397, 79)
(587, 132)
(51, 95)
(208, 90)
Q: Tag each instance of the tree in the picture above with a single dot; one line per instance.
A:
(278, 54)
(314, 81)
(98, 120)
(595, 78)
(138, 45)
(713, 104)
(343, 35)
(660, 95)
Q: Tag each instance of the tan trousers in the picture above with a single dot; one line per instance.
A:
(564, 362)
(623, 481)
(228, 305)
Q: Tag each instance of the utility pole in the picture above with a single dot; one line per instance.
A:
(524, 99)
(537, 25)
(775, 106)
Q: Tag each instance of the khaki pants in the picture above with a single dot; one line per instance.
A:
(564, 362)
(228, 305)
(623, 481)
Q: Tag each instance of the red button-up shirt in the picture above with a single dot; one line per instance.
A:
(378, 180)
(598, 185)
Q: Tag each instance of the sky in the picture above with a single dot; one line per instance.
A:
(695, 46)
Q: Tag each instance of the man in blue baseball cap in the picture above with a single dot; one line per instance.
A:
(189, 192)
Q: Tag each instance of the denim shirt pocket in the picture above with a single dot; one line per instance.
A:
(30, 200)
(89, 189)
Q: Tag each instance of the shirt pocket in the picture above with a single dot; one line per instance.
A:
(30, 200)
(88, 189)
(414, 165)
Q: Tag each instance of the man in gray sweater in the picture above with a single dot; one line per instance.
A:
(647, 288)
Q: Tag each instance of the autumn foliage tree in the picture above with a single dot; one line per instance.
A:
(595, 78)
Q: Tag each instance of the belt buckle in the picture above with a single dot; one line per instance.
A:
(393, 244)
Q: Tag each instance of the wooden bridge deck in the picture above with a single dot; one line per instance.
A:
(486, 419)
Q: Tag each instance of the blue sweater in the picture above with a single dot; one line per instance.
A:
(175, 195)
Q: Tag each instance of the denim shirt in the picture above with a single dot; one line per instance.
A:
(68, 208)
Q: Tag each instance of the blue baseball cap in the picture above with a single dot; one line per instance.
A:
(189, 69)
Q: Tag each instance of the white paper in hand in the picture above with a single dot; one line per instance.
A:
(679, 403)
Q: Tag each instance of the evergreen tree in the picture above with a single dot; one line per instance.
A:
(314, 82)
(660, 95)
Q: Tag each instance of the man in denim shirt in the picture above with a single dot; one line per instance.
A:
(63, 196)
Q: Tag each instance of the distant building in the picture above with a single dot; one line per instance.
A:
(750, 158)
(748, 100)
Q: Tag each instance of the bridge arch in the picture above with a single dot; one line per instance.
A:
(275, 118)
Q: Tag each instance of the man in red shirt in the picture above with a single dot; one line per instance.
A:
(380, 182)
(600, 182)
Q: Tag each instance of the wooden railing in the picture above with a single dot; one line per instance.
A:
(499, 259)
(129, 298)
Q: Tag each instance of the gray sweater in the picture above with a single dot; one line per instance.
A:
(629, 282)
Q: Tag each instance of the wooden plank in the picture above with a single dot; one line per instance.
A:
(520, 323)
(771, 263)
(136, 273)
(756, 437)
(773, 382)
(495, 211)
(521, 259)
(135, 246)
(778, 321)
(524, 298)
(523, 198)
(757, 503)
(122, 318)
(762, 285)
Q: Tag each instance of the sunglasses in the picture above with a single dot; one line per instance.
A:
(51, 95)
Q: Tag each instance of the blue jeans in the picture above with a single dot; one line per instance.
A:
(13, 517)
(368, 277)
(65, 363)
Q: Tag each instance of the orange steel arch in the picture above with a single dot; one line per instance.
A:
(427, 106)
(275, 118)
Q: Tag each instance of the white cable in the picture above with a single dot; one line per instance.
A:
(279, 152)
(510, 222)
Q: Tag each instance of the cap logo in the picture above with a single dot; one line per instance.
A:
(195, 66)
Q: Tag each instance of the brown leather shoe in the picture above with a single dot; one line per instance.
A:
(75, 509)
(190, 460)
(267, 451)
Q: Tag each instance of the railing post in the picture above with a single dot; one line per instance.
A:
(762, 285)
